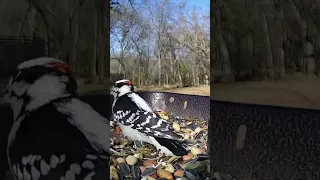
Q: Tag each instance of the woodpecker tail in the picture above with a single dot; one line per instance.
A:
(202, 157)
(173, 145)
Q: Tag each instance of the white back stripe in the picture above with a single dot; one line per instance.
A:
(140, 102)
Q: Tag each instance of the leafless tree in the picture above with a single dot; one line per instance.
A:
(160, 42)
(258, 40)
(75, 30)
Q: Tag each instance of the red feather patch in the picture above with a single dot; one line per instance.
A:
(60, 66)
(129, 82)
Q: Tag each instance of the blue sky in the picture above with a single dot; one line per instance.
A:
(203, 4)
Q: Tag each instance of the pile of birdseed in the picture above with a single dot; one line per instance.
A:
(144, 162)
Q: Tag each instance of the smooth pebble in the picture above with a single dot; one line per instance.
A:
(179, 173)
(120, 160)
(188, 157)
(176, 126)
(164, 174)
(131, 160)
(169, 168)
(186, 136)
(195, 151)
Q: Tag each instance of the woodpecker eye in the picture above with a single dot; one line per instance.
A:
(29, 75)
(119, 85)
(15, 73)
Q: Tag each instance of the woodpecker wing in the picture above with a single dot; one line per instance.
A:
(50, 144)
(130, 101)
(146, 122)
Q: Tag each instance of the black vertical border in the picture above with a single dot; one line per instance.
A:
(210, 124)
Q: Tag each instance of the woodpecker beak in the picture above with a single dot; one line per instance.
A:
(111, 83)
(113, 93)
(5, 100)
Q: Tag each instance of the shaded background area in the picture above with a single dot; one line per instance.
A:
(257, 40)
(16, 49)
(266, 52)
(260, 142)
(303, 94)
(76, 31)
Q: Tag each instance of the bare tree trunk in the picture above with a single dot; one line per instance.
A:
(32, 21)
(303, 59)
(179, 77)
(282, 69)
(133, 72)
(101, 64)
(303, 30)
(107, 53)
(101, 7)
(74, 44)
(93, 68)
(139, 76)
(268, 46)
(28, 23)
(102, 48)
(167, 78)
(193, 74)
(159, 67)
(47, 42)
(226, 65)
(172, 72)
(197, 81)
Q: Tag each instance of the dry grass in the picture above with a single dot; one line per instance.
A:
(201, 90)
(298, 92)
(92, 88)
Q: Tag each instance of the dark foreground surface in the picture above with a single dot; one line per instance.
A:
(178, 104)
(280, 143)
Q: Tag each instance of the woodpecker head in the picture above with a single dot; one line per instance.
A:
(38, 81)
(121, 88)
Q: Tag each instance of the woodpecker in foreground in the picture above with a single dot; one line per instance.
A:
(55, 136)
(139, 122)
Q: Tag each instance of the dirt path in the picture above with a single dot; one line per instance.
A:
(201, 90)
(305, 94)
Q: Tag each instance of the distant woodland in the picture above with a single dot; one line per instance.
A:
(264, 40)
(160, 42)
(76, 31)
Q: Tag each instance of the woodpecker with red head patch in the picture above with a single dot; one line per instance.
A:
(139, 122)
(54, 135)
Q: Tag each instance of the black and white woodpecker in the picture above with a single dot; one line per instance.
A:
(139, 122)
(55, 135)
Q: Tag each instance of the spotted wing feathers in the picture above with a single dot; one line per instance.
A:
(146, 122)
(52, 144)
(61, 167)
